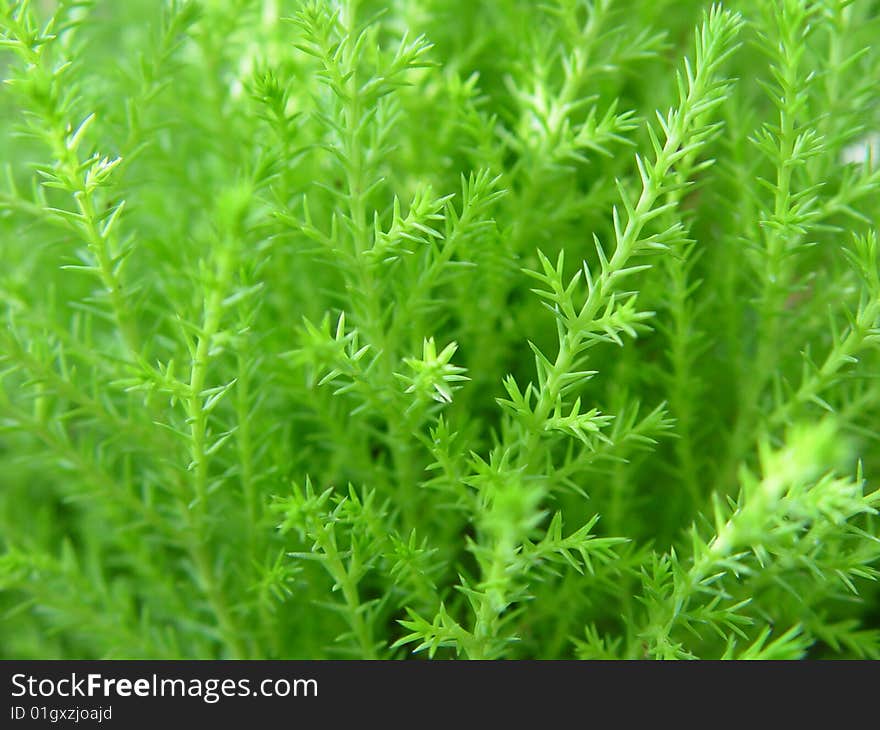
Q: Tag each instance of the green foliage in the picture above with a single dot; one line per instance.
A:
(439, 328)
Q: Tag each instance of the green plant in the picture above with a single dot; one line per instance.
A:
(383, 330)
